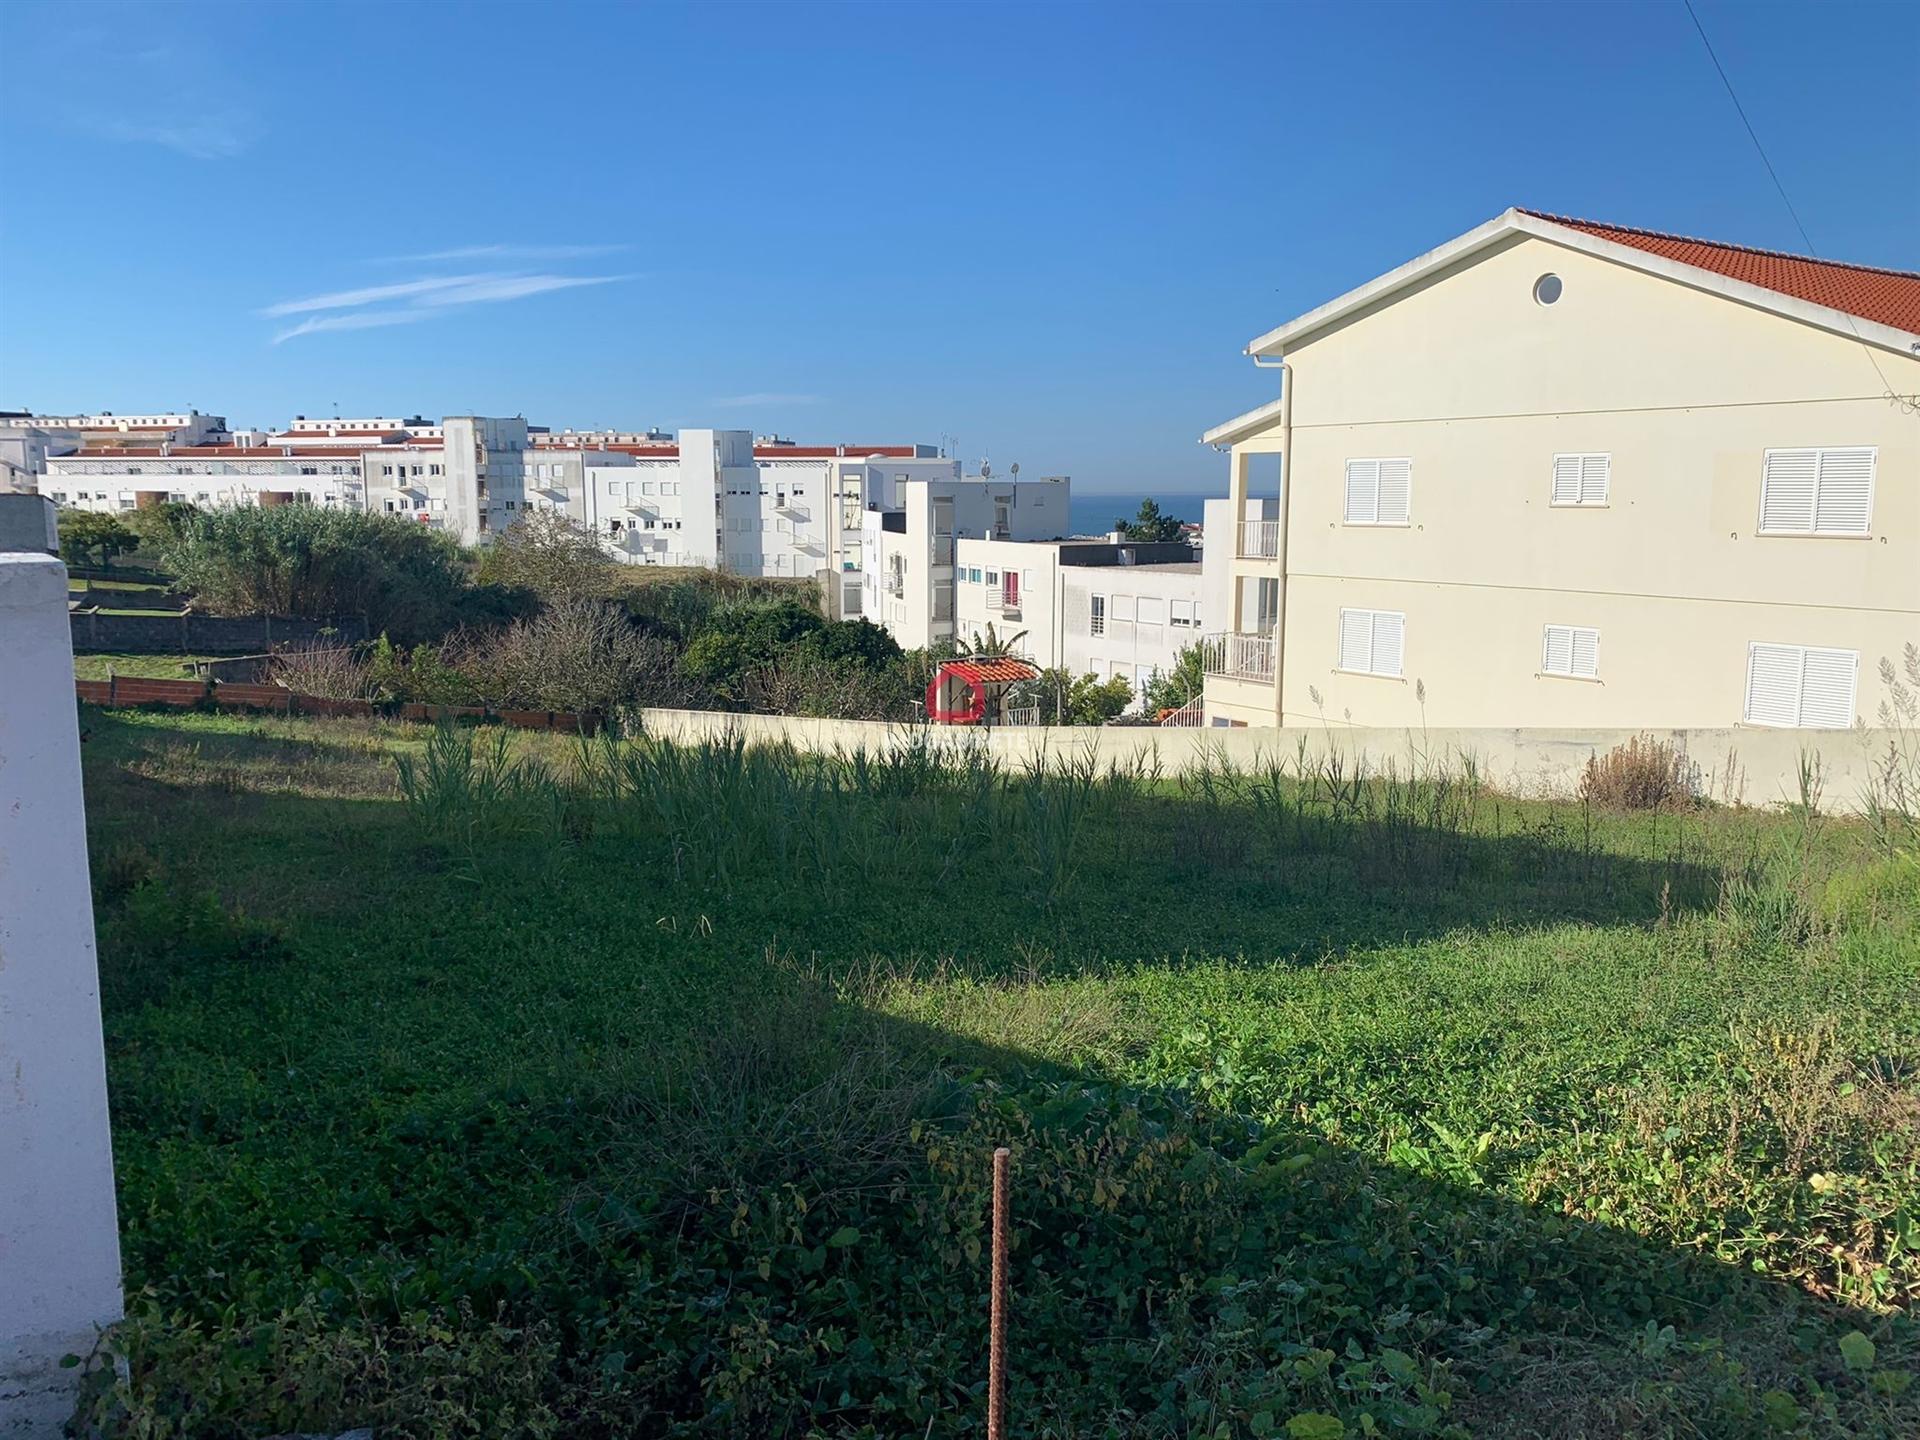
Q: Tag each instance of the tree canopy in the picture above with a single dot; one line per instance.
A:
(1149, 524)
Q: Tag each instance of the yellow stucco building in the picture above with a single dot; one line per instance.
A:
(1556, 473)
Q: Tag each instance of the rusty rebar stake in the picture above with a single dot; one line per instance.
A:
(997, 1319)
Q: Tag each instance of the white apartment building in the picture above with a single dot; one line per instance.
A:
(204, 475)
(910, 530)
(1103, 607)
(104, 428)
(1565, 473)
(723, 499)
(461, 482)
(25, 443)
(357, 434)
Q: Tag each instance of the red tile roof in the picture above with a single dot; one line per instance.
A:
(1887, 297)
(216, 452)
(991, 670)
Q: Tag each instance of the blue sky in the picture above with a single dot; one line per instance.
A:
(1046, 230)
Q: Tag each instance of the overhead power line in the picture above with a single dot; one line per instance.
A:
(1907, 403)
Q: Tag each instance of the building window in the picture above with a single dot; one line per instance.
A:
(59, 497)
(1572, 651)
(1817, 492)
(1801, 687)
(1581, 479)
(1183, 614)
(1547, 289)
(1097, 615)
(386, 470)
(993, 577)
(1378, 491)
(1372, 642)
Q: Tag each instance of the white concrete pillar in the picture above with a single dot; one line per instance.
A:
(59, 1241)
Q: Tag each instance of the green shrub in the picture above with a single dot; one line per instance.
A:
(401, 578)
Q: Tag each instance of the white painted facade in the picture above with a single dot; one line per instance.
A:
(1097, 608)
(910, 530)
(59, 1238)
(25, 444)
(204, 476)
(187, 427)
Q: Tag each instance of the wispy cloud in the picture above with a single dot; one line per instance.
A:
(484, 290)
(760, 398)
(424, 298)
(177, 94)
(353, 320)
(507, 252)
(374, 294)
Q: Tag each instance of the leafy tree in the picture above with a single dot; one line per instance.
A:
(546, 553)
(740, 639)
(156, 524)
(1064, 698)
(86, 535)
(852, 643)
(1149, 524)
(1184, 682)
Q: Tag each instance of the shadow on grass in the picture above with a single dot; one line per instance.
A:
(631, 1094)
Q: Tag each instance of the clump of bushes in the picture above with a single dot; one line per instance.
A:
(405, 579)
(1643, 774)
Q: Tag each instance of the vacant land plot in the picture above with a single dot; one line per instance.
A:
(148, 667)
(631, 1090)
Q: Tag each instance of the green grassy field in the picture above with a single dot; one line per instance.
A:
(632, 1091)
(150, 667)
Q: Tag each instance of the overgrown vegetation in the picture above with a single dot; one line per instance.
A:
(1642, 774)
(527, 1088)
(405, 580)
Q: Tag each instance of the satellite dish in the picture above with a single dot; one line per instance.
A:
(985, 469)
(1014, 470)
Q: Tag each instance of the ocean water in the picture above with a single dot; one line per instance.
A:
(1095, 514)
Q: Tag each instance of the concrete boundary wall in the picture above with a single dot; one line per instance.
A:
(1747, 765)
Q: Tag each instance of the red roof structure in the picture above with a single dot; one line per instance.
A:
(992, 669)
(1887, 297)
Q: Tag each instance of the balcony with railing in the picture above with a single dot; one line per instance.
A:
(793, 509)
(1238, 655)
(1259, 539)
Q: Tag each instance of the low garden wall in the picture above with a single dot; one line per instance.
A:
(1746, 765)
(190, 634)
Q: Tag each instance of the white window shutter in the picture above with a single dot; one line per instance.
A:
(1557, 651)
(1395, 490)
(1773, 684)
(1584, 652)
(1594, 472)
(1787, 490)
(1826, 688)
(1566, 479)
(1844, 504)
(1389, 637)
(1356, 639)
(1363, 491)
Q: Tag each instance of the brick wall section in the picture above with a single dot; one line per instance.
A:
(191, 634)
